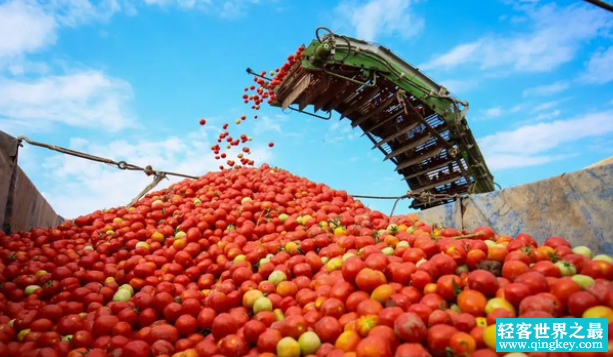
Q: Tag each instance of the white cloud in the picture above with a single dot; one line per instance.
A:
(555, 37)
(549, 105)
(79, 12)
(492, 112)
(228, 9)
(546, 89)
(187, 4)
(548, 116)
(459, 54)
(531, 144)
(376, 18)
(24, 28)
(87, 99)
(456, 86)
(266, 124)
(600, 67)
(75, 186)
(497, 111)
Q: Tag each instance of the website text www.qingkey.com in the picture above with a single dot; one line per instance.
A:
(552, 346)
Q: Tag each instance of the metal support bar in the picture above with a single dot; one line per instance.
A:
(601, 4)
(401, 132)
(379, 109)
(380, 148)
(440, 183)
(429, 169)
(410, 146)
(385, 121)
(427, 155)
(406, 104)
(359, 102)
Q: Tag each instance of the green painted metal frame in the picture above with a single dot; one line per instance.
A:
(319, 54)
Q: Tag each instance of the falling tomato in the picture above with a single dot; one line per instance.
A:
(202, 121)
(271, 144)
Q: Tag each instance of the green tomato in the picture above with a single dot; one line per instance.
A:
(309, 343)
(122, 295)
(584, 281)
(30, 289)
(566, 268)
(127, 287)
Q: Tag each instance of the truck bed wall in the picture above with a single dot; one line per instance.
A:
(577, 206)
(22, 206)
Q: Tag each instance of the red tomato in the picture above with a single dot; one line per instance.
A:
(137, 349)
(579, 301)
(535, 281)
(410, 328)
(368, 279)
(328, 329)
(438, 338)
(544, 302)
(563, 288)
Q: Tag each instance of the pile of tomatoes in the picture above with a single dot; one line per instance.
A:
(259, 262)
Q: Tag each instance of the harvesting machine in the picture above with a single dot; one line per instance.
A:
(415, 122)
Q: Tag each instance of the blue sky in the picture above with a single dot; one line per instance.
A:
(130, 80)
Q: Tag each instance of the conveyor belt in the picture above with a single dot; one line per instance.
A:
(411, 119)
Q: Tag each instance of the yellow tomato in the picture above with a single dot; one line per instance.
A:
(157, 237)
(382, 293)
(430, 288)
(391, 240)
(489, 337)
(22, 334)
(288, 347)
(495, 303)
(481, 321)
(334, 264)
(599, 312)
(339, 231)
(516, 354)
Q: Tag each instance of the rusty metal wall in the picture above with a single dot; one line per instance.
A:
(22, 207)
(577, 206)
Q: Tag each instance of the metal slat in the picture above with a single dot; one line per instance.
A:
(429, 169)
(295, 73)
(407, 147)
(379, 109)
(399, 133)
(329, 94)
(341, 97)
(423, 157)
(440, 183)
(296, 92)
(318, 87)
(356, 105)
